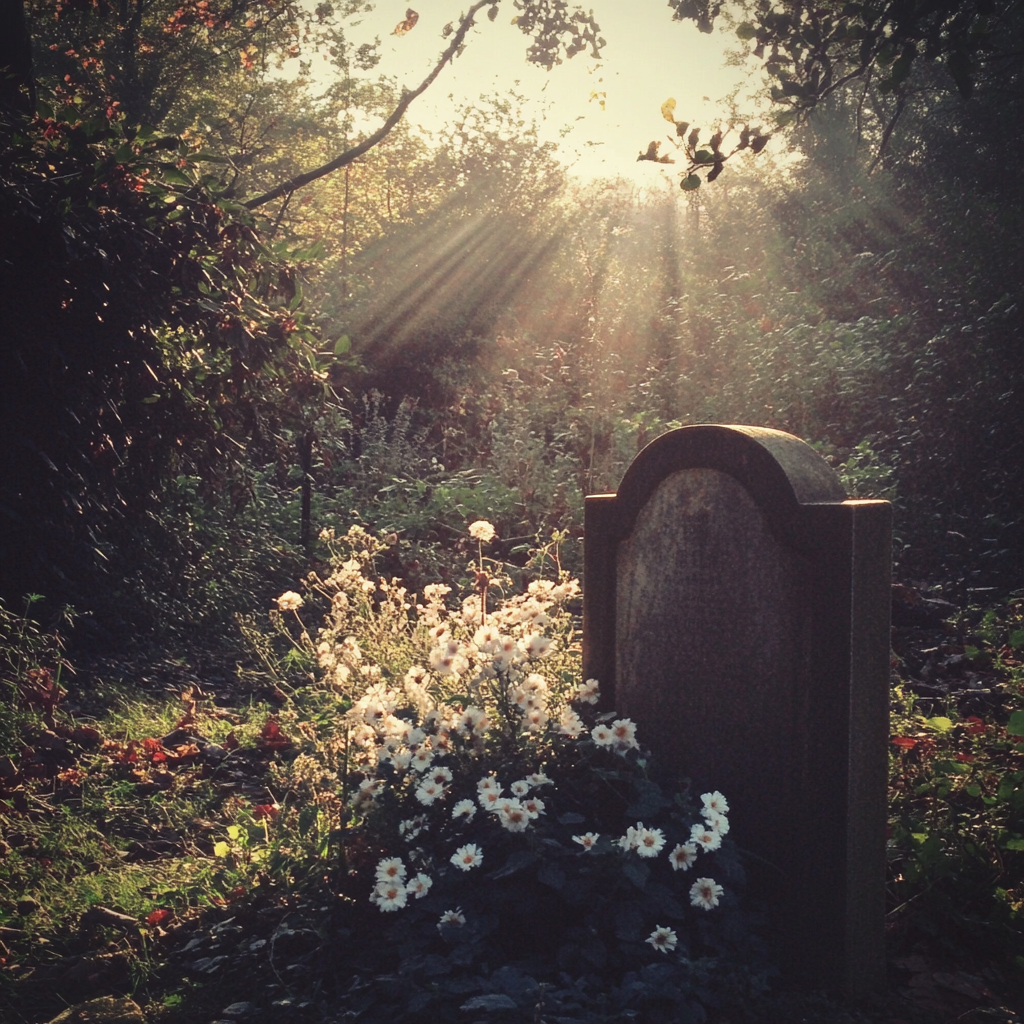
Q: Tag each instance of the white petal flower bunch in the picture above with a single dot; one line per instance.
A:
(463, 718)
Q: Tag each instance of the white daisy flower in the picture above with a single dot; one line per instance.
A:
(520, 787)
(464, 809)
(451, 917)
(718, 822)
(534, 806)
(683, 856)
(650, 842)
(707, 838)
(440, 775)
(391, 869)
(715, 802)
(489, 799)
(488, 782)
(468, 856)
(513, 815)
(420, 760)
(662, 939)
(588, 692)
(427, 792)
(586, 840)
(570, 724)
(538, 779)
(419, 886)
(602, 735)
(631, 838)
(389, 896)
(704, 893)
(624, 733)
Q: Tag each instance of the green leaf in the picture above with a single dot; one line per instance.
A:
(746, 31)
(1015, 726)
(342, 345)
(221, 849)
(637, 872)
(1017, 638)
(1017, 843)
(703, 156)
(690, 182)
(940, 723)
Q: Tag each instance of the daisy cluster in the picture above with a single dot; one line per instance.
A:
(428, 751)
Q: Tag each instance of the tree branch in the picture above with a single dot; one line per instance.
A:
(370, 141)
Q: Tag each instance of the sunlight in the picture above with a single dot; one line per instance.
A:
(601, 113)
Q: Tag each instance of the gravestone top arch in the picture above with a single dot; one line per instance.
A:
(736, 607)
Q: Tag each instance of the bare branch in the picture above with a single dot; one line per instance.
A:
(370, 141)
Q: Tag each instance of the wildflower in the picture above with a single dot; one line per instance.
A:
(624, 733)
(534, 806)
(704, 893)
(452, 917)
(535, 718)
(538, 779)
(513, 815)
(441, 775)
(649, 841)
(718, 822)
(401, 759)
(482, 531)
(570, 724)
(587, 840)
(419, 885)
(289, 601)
(391, 869)
(520, 787)
(631, 838)
(706, 837)
(447, 659)
(422, 758)
(411, 828)
(488, 639)
(434, 593)
(602, 735)
(536, 646)
(489, 799)
(427, 792)
(468, 856)
(389, 896)
(488, 782)
(473, 721)
(662, 939)
(715, 803)
(464, 809)
(683, 856)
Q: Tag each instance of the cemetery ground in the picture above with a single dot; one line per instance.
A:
(152, 867)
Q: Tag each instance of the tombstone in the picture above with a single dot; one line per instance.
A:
(736, 606)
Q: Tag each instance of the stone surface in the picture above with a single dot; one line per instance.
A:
(736, 607)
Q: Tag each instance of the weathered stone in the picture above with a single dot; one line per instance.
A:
(736, 607)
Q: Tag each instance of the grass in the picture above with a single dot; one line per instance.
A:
(97, 822)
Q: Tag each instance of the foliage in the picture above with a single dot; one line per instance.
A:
(31, 664)
(421, 768)
(957, 801)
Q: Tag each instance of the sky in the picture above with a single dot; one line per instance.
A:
(648, 59)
